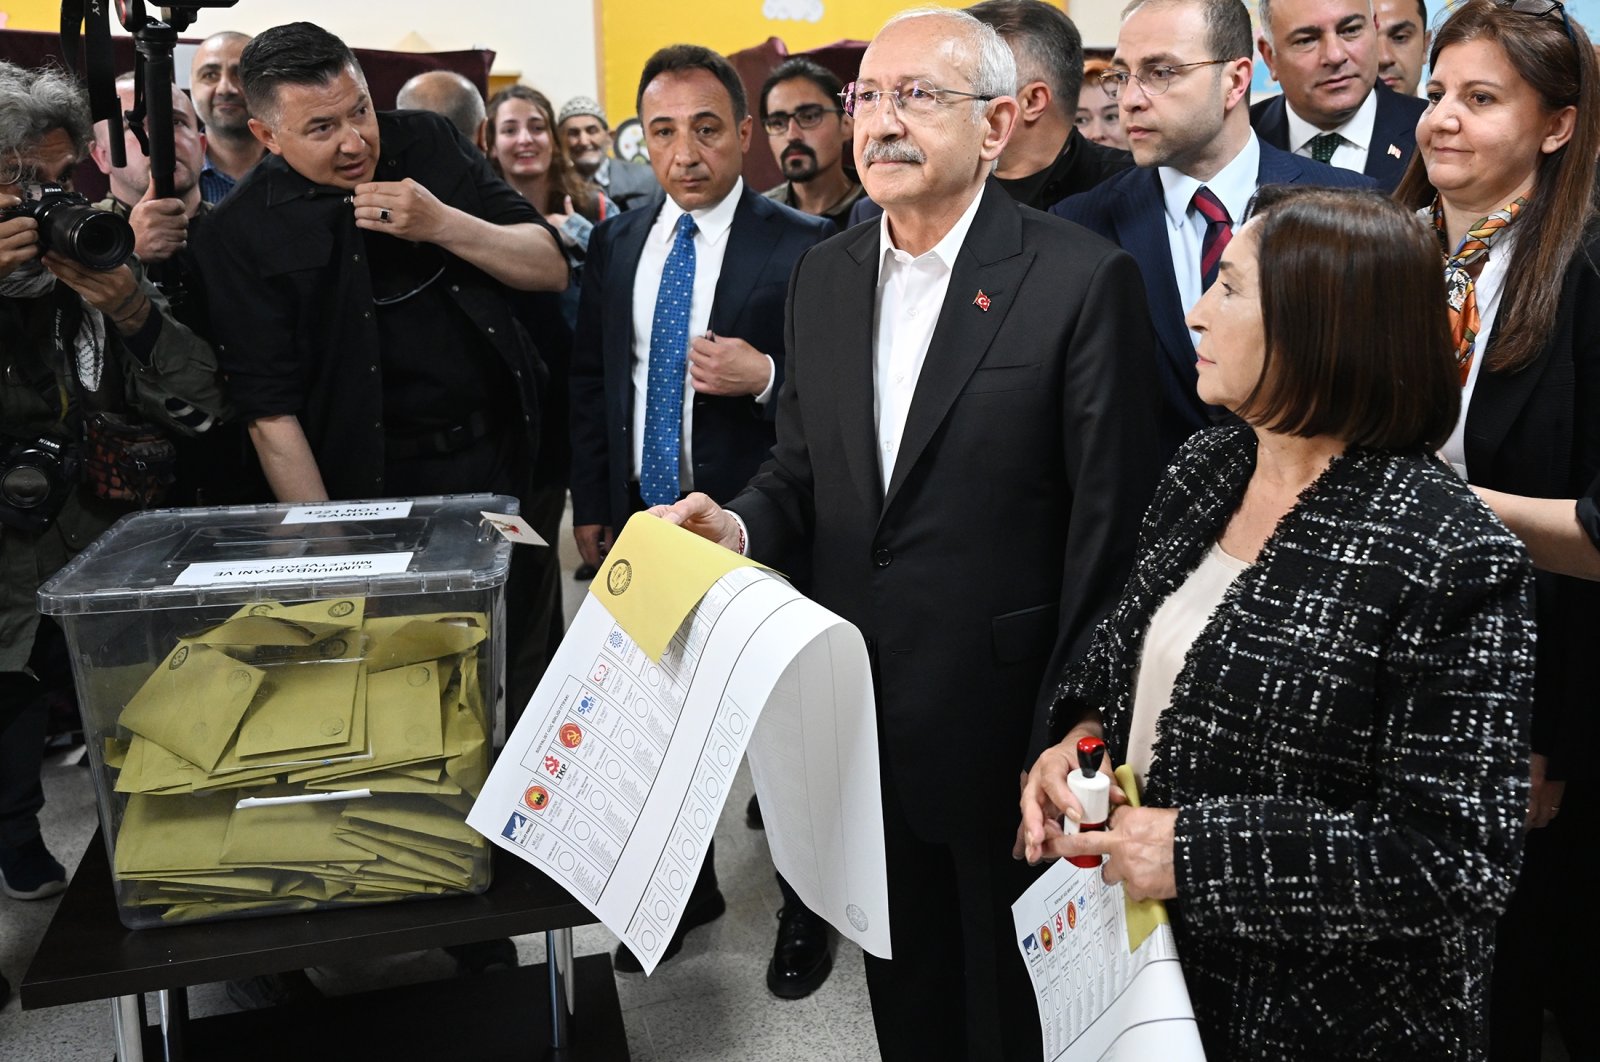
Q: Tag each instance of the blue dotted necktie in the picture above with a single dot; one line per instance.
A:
(669, 353)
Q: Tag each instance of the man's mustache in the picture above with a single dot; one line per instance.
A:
(891, 151)
(798, 148)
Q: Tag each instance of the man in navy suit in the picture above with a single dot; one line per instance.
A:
(1182, 78)
(675, 371)
(1325, 54)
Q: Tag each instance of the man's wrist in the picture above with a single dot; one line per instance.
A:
(744, 533)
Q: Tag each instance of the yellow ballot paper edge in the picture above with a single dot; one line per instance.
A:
(655, 574)
(1142, 915)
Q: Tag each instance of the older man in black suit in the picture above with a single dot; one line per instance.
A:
(961, 392)
(1333, 108)
(680, 323)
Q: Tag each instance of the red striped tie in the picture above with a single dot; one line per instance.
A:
(1219, 230)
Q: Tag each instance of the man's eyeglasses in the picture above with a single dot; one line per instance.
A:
(916, 98)
(1542, 9)
(1153, 79)
(807, 116)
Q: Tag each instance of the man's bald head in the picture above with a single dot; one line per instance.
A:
(446, 93)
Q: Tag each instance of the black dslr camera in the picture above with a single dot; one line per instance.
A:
(36, 478)
(70, 226)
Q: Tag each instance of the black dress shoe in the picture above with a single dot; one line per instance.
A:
(801, 960)
(752, 813)
(584, 572)
(707, 908)
(483, 956)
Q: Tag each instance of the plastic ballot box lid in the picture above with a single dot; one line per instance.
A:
(186, 558)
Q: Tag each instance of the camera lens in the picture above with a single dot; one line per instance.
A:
(97, 238)
(24, 487)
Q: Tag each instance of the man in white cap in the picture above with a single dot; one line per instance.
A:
(582, 125)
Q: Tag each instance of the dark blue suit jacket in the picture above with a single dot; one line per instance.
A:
(1395, 126)
(731, 435)
(1129, 211)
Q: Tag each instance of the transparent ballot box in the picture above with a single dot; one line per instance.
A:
(289, 707)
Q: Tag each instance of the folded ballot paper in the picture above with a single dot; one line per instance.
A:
(300, 755)
(682, 656)
(1104, 968)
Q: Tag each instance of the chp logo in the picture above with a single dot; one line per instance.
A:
(571, 735)
(537, 797)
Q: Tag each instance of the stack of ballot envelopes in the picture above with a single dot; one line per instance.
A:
(297, 756)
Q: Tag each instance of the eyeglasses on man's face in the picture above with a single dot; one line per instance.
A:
(915, 98)
(806, 116)
(1153, 79)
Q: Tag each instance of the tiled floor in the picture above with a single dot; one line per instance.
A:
(709, 1003)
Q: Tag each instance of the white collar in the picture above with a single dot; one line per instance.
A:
(602, 172)
(947, 248)
(713, 222)
(1357, 129)
(1234, 184)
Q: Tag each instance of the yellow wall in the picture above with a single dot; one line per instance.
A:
(633, 29)
(31, 14)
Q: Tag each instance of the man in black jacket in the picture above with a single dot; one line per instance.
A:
(359, 288)
(958, 382)
(1333, 108)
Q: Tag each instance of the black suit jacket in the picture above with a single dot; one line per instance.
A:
(1129, 211)
(1395, 127)
(1537, 432)
(1009, 524)
(731, 435)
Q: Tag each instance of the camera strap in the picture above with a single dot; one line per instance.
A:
(99, 66)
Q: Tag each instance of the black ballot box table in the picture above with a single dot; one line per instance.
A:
(562, 1009)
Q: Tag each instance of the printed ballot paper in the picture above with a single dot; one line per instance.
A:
(1105, 969)
(682, 656)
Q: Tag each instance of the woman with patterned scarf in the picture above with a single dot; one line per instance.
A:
(1505, 171)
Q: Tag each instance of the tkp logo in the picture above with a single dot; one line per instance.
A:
(1059, 920)
(554, 768)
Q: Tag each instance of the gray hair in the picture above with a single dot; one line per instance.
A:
(996, 73)
(1264, 10)
(1045, 43)
(446, 93)
(32, 104)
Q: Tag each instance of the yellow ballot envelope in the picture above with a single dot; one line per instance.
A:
(655, 574)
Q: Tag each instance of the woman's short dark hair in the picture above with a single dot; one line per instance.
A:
(1357, 342)
(1557, 60)
(681, 58)
(296, 53)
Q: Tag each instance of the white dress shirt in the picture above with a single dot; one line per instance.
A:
(910, 295)
(1234, 184)
(1357, 133)
(1489, 286)
(710, 245)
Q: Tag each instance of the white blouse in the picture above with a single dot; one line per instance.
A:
(1173, 630)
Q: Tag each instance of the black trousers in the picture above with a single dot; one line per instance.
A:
(1545, 943)
(956, 987)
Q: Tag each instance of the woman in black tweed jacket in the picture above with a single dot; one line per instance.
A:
(1337, 782)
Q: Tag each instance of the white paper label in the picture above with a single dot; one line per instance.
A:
(336, 511)
(347, 566)
(514, 529)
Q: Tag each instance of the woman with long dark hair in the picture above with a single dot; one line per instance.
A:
(1505, 173)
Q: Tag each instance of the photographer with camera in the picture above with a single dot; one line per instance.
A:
(94, 374)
